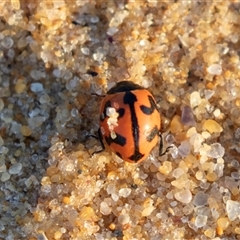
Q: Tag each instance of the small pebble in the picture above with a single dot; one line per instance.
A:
(184, 148)
(147, 211)
(85, 50)
(98, 56)
(208, 93)
(210, 233)
(216, 151)
(5, 176)
(105, 209)
(183, 196)
(200, 199)
(36, 87)
(217, 113)
(233, 209)
(215, 69)
(124, 192)
(57, 73)
(34, 112)
(187, 117)
(195, 99)
(7, 42)
(20, 87)
(223, 223)
(237, 230)
(123, 219)
(94, 19)
(212, 126)
(26, 131)
(44, 99)
(211, 177)
(112, 30)
(111, 188)
(201, 221)
(115, 197)
(15, 168)
(178, 172)
(176, 125)
(166, 168)
(3, 150)
(6, 115)
(37, 74)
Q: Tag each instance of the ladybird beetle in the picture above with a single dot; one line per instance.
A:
(129, 121)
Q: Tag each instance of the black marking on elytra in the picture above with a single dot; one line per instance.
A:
(129, 99)
(136, 156)
(154, 132)
(149, 110)
(121, 112)
(104, 113)
(120, 140)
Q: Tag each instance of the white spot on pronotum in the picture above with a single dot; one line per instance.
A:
(112, 121)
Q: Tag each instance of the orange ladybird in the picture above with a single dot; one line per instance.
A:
(129, 121)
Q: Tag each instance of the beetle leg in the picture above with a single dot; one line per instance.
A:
(100, 138)
(161, 152)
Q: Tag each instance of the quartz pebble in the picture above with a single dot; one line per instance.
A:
(36, 87)
(223, 223)
(166, 168)
(123, 219)
(15, 168)
(20, 87)
(147, 211)
(183, 196)
(85, 51)
(216, 151)
(177, 172)
(200, 199)
(112, 30)
(187, 117)
(195, 99)
(7, 42)
(215, 69)
(201, 221)
(233, 209)
(105, 209)
(212, 126)
(26, 131)
(210, 233)
(184, 148)
(5, 176)
(124, 192)
(176, 125)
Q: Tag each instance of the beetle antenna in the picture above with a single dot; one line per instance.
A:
(98, 95)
